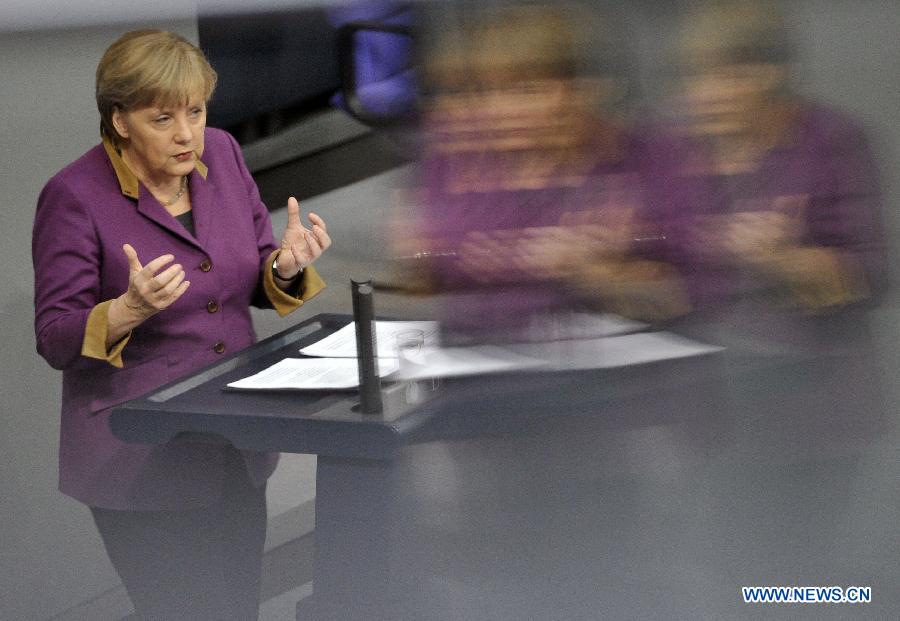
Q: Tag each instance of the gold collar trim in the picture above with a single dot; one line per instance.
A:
(128, 181)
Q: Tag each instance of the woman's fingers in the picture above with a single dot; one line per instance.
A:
(317, 221)
(153, 287)
(162, 279)
(169, 288)
(293, 220)
(312, 242)
(150, 288)
(305, 252)
(321, 236)
(134, 264)
(304, 245)
(155, 265)
(180, 290)
(171, 292)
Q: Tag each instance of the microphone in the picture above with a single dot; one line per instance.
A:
(366, 347)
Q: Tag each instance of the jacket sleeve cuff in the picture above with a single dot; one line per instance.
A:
(95, 331)
(282, 301)
(821, 278)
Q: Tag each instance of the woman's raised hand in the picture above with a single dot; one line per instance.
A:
(301, 246)
(149, 289)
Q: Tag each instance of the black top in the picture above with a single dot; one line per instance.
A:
(187, 221)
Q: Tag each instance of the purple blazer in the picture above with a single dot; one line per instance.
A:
(83, 219)
(641, 178)
(825, 160)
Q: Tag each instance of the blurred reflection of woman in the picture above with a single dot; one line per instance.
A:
(791, 207)
(539, 195)
(785, 248)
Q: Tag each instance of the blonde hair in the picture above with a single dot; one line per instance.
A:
(147, 67)
(735, 31)
(492, 47)
(523, 43)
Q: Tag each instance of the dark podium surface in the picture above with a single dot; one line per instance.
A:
(647, 492)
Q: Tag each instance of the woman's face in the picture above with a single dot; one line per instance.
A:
(163, 141)
(725, 98)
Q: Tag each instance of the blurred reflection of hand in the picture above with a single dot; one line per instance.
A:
(548, 252)
(753, 236)
(608, 232)
(538, 253)
(489, 257)
(552, 252)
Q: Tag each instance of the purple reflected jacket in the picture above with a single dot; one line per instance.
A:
(824, 161)
(643, 177)
(85, 213)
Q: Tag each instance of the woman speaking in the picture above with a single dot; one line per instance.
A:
(148, 252)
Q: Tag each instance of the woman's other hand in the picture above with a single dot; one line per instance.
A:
(301, 246)
(149, 289)
(148, 293)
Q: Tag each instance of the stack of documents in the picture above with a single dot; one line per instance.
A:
(332, 363)
(309, 374)
(342, 344)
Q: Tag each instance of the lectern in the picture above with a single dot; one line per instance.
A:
(639, 492)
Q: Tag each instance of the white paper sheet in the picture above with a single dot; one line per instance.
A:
(571, 354)
(310, 374)
(462, 361)
(561, 326)
(434, 362)
(342, 344)
(615, 351)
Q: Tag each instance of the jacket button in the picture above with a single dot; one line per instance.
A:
(212, 306)
(219, 347)
(205, 265)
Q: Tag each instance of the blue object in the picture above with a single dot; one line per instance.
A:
(375, 55)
